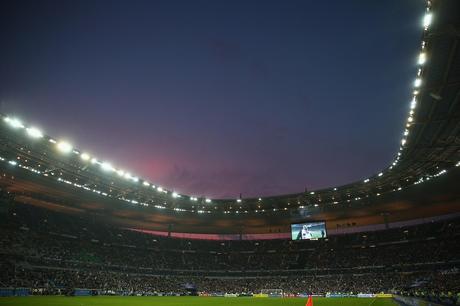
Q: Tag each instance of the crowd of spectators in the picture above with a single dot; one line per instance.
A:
(146, 284)
(51, 252)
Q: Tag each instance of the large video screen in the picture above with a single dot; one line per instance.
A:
(308, 231)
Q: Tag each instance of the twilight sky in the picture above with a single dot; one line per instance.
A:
(216, 98)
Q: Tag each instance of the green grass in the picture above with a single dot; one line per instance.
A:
(188, 301)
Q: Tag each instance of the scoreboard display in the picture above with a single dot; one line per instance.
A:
(308, 231)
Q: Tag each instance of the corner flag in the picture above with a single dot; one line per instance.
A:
(309, 301)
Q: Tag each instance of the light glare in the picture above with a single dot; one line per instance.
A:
(14, 122)
(427, 20)
(34, 132)
(85, 156)
(175, 195)
(64, 147)
(106, 166)
(422, 58)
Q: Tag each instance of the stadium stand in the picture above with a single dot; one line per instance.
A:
(50, 252)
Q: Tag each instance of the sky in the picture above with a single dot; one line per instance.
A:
(217, 98)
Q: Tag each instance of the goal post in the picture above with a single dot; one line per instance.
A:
(272, 292)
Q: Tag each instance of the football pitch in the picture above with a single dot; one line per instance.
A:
(188, 301)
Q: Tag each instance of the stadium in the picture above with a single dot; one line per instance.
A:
(77, 230)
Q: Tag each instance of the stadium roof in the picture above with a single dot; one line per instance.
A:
(430, 143)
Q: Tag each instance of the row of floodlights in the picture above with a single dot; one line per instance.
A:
(422, 59)
(132, 201)
(66, 148)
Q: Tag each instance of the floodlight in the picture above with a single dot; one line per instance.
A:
(207, 200)
(417, 82)
(106, 166)
(34, 132)
(85, 156)
(145, 183)
(422, 58)
(14, 122)
(64, 147)
(427, 20)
